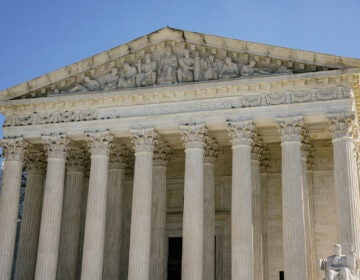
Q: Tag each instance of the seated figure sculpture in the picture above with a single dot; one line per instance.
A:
(111, 79)
(147, 72)
(168, 66)
(339, 266)
(229, 69)
(127, 77)
(210, 68)
(185, 72)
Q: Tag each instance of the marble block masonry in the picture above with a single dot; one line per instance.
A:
(248, 154)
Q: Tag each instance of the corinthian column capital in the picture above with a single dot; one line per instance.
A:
(13, 148)
(162, 153)
(343, 125)
(118, 154)
(305, 146)
(211, 150)
(77, 157)
(291, 128)
(99, 142)
(34, 158)
(241, 132)
(144, 139)
(265, 161)
(193, 135)
(257, 149)
(55, 145)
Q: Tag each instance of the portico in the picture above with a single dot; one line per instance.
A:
(255, 168)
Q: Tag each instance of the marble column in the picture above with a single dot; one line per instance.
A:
(71, 216)
(84, 195)
(9, 202)
(94, 238)
(114, 212)
(30, 223)
(193, 214)
(294, 229)
(49, 237)
(305, 150)
(344, 129)
(126, 218)
(140, 231)
(264, 167)
(210, 155)
(242, 261)
(162, 155)
(256, 152)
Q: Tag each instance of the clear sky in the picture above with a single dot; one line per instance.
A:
(39, 36)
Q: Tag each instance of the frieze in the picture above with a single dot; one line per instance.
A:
(170, 63)
(254, 100)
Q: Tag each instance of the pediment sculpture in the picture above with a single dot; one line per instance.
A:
(165, 65)
(339, 266)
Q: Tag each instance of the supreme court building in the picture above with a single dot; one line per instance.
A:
(182, 153)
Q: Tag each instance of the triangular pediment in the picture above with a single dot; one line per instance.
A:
(170, 56)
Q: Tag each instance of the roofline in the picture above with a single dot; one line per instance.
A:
(170, 33)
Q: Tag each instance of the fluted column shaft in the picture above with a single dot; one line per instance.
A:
(71, 216)
(211, 151)
(264, 181)
(48, 249)
(193, 214)
(30, 224)
(114, 213)
(94, 238)
(9, 202)
(242, 262)
(126, 221)
(257, 209)
(346, 180)
(294, 240)
(309, 254)
(158, 241)
(158, 261)
(140, 231)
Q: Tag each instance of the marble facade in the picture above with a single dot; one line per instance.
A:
(248, 152)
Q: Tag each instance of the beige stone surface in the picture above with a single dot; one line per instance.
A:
(140, 231)
(125, 232)
(50, 226)
(30, 224)
(9, 201)
(193, 213)
(346, 180)
(70, 224)
(158, 222)
(209, 213)
(242, 250)
(114, 213)
(294, 231)
(257, 212)
(94, 236)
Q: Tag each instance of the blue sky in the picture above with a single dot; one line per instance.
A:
(40, 36)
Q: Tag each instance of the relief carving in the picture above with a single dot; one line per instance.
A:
(168, 67)
(111, 79)
(168, 63)
(127, 76)
(241, 101)
(146, 72)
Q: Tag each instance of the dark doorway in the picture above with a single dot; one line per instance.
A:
(281, 275)
(174, 258)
